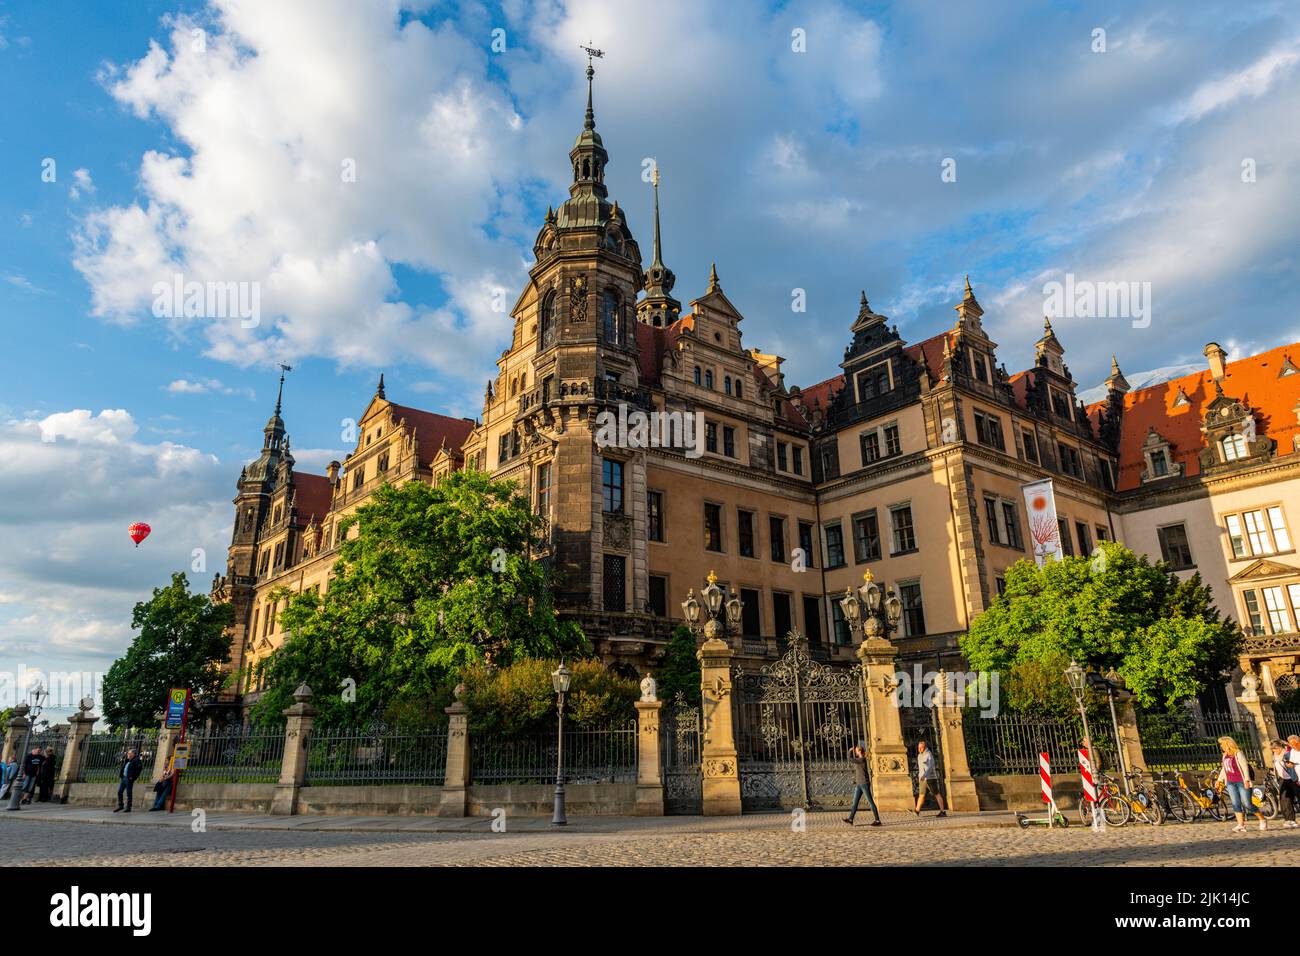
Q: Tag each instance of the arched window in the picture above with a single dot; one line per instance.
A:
(611, 325)
(550, 319)
(708, 378)
(697, 375)
(740, 392)
(726, 384)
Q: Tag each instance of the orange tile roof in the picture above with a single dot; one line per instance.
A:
(432, 431)
(930, 351)
(312, 496)
(1253, 380)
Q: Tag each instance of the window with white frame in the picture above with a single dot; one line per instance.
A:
(1278, 621)
(1256, 533)
(1233, 447)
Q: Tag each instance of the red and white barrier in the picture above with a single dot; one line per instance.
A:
(1085, 772)
(1045, 774)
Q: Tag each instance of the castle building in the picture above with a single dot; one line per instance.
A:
(909, 462)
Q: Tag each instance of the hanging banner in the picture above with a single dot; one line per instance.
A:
(1040, 505)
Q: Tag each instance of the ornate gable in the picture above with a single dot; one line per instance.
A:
(1230, 435)
(1264, 568)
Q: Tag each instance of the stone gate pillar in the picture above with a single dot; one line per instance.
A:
(293, 766)
(455, 782)
(82, 725)
(18, 724)
(719, 765)
(1130, 742)
(649, 779)
(957, 779)
(890, 782)
(1260, 707)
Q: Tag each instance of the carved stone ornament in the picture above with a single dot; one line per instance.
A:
(618, 532)
(648, 689)
(719, 767)
(578, 300)
(1249, 687)
(890, 764)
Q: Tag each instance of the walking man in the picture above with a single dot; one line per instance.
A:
(862, 784)
(1286, 781)
(130, 771)
(927, 779)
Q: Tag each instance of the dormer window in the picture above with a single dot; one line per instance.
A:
(1158, 455)
(1159, 463)
(1060, 403)
(1233, 447)
(981, 367)
(874, 381)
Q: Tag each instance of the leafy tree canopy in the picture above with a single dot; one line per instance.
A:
(183, 642)
(679, 672)
(1164, 636)
(437, 578)
(520, 698)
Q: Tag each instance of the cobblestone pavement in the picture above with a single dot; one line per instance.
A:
(761, 840)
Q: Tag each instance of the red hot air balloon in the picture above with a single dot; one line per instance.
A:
(138, 532)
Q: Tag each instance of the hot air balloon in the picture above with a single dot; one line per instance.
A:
(138, 532)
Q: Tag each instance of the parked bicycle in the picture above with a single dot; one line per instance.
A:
(1114, 807)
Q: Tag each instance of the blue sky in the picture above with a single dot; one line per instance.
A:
(816, 170)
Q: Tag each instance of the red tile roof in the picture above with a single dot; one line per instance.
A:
(432, 431)
(312, 496)
(1253, 380)
(655, 343)
(930, 351)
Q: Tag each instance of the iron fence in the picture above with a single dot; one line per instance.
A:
(1187, 741)
(1011, 743)
(106, 752)
(1288, 724)
(591, 755)
(235, 754)
(377, 754)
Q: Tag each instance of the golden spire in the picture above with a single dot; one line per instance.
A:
(867, 576)
(712, 578)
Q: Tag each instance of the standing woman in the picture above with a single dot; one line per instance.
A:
(1286, 781)
(1235, 775)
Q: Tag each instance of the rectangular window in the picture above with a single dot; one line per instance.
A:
(904, 534)
(654, 512)
(892, 445)
(830, 460)
(913, 612)
(728, 441)
(781, 619)
(1031, 446)
(981, 367)
(1070, 460)
(1159, 463)
(1011, 525)
(745, 536)
(776, 531)
(612, 485)
(615, 583)
(796, 455)
(1060, 403)
(1293, 591)
(1255, 531)
(1102, 533)
(1281, 540)
(712, 527)
(873, 381)
(812, 620)
(988, 431)
(870, 442)
(658, 595)
(711, 437)
(1067, 546)
(1084, 536)
(782, 451)
(1174, 547)
(1235, 536)
(866, 538)
(839, 626)
(834, 546)
(544, 489)
(750, 616)
(1252, 611)
(991, 514)
(1001, 584)
(806, 542)
(1278, 621)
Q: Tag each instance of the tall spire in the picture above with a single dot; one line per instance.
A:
(379, 389)
(590, 121)
(280, 394)
(658, 308)
(588, 157)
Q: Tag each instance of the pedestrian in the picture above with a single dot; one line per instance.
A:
(1287, 785)
(163, 789)
(127, 775)
(47, 775)
(1235, 776)
(8, 776)
(862, 784)
(32, 773)
(927, 780)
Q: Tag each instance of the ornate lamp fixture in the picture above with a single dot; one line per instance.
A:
(714, 607)
(870, 611)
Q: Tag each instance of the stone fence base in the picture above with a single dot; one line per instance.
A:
(525, 800)
(1025, 792)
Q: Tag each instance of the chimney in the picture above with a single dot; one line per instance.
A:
(332, 472)
(1217, 358)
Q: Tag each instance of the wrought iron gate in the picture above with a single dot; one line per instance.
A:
(681, 758)
(796, 721)
(922, 723)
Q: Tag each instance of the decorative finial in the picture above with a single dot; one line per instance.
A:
(969, 291)
(867, 576)
(590, 121)
(863, 301)
(712, 578)
(713, 278)
(1114, 364)
(379, 391)
(280, 394)
(1047, 325)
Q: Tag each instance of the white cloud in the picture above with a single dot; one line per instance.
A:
(184, 386)
(81, 183)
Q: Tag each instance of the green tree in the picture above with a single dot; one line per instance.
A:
(183, 642)
(1164, 636)
(679, 671)
(520, 698)
(437, 578)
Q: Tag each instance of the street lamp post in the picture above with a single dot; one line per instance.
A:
(870, 611)
(1113, 687)
(713, 626)
(39, 695)
(1077, 679)
(561, 679)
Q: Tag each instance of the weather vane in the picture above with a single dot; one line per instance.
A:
(591, 51)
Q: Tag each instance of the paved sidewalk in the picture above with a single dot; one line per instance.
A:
(219, 820)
